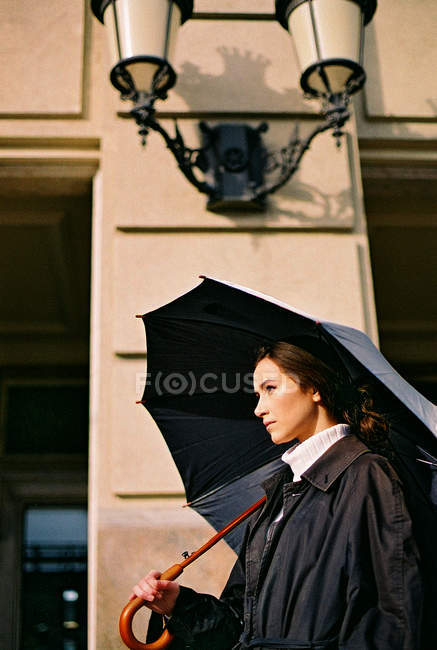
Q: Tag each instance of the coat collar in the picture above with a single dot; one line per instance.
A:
(282, 476)
(335, 461)
(326, 469)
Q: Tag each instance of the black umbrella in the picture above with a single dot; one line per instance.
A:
(200, 355)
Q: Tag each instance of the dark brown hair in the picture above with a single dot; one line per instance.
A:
(345, 401)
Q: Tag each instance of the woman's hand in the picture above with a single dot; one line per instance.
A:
(159, 595)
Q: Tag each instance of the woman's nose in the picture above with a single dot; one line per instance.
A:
(260, 409)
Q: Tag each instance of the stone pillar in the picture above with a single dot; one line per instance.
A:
(153, 237)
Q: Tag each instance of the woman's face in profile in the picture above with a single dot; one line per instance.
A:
(287, 411)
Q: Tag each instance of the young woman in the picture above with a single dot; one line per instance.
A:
(330, 562)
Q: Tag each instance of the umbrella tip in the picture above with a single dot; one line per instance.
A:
(185, 505)
(140, 401)
(138, 315)
(203, 277)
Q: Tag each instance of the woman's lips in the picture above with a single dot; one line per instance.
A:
(267, 423)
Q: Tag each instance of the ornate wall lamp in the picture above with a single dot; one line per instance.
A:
(233, 166)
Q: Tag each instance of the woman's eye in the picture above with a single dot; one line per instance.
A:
(270, 388)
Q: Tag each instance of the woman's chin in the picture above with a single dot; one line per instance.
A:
(278, 438)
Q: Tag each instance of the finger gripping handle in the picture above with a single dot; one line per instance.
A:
(129, 611)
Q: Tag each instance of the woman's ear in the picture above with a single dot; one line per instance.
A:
(316, 396)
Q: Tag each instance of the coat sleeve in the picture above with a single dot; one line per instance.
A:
(203, 622)
(383, 584)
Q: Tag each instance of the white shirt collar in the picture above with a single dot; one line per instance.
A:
(302, 455)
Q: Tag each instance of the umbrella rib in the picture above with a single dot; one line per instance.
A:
(417, 482)
(428, 462)
(232, 480)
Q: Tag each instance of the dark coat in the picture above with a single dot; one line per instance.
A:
(339, 570)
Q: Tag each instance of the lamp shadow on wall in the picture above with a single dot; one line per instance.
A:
(242, 83)
(313, 208)
(433, 104)
(243, 89)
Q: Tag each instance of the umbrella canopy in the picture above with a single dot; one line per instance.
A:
(201, 349)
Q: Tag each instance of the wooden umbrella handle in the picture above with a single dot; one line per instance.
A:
(129, 611)
(126, 617)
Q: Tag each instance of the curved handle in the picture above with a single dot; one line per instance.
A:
(126, 633)
(129, 611)
(173, 572)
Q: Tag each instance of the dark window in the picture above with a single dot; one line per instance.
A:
(54, 578)
(46, 419)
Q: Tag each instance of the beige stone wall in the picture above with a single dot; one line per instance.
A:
(152, 235)
(309, 248)
(400, 98)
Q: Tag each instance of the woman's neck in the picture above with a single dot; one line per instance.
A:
(324, 421)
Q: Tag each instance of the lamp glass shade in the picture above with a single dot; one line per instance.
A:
(142, 36)
(327, 32)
